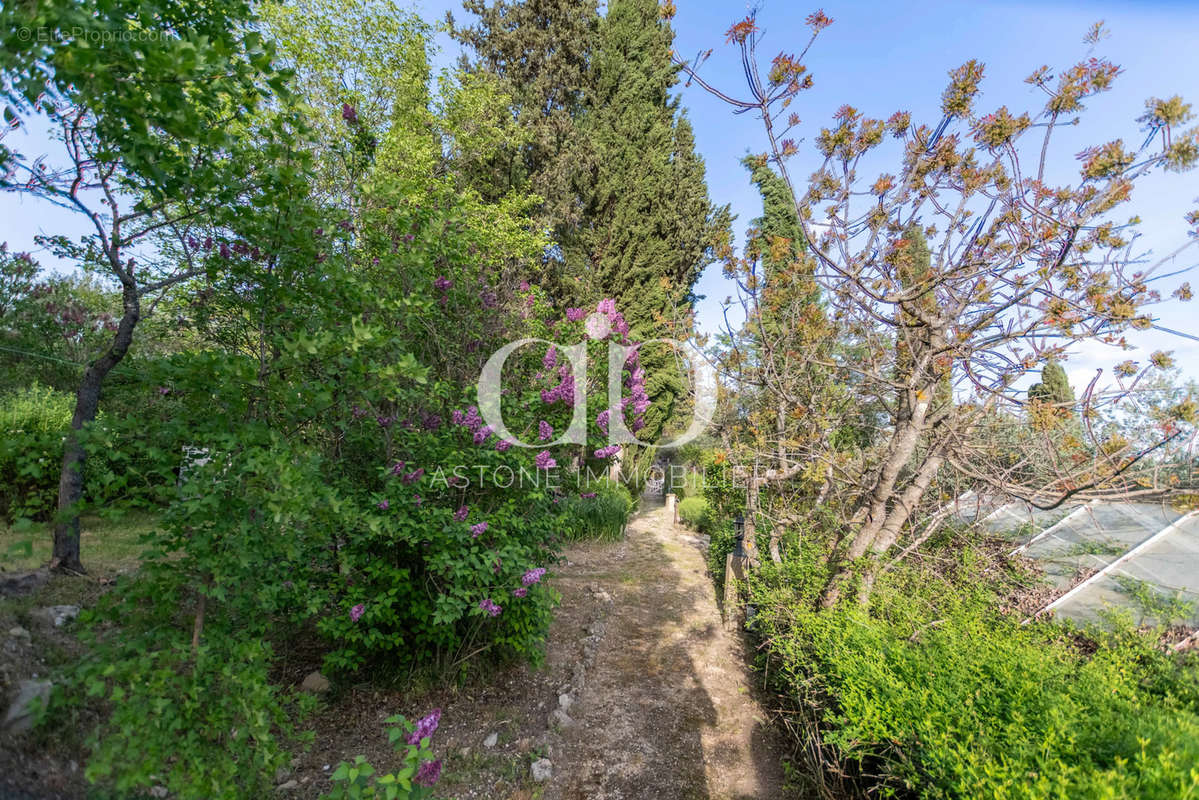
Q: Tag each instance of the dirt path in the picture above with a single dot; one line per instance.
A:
(667, 709)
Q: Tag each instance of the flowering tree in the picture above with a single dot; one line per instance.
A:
(949, 279)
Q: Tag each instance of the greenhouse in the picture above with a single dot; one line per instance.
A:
(1102, 555)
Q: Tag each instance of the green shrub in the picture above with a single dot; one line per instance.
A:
(695, 513)
(133, 468)
(598, 510)
(943, 696)
(202, 724)
(33, 421)
(721, 542)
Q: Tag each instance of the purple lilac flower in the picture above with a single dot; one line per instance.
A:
(491, 608)
(533, 576)
(545, 461)
(605, 452)
(478, 529)
(587, 495)
(425, 726)
(606, 306)
(575, 314)
(427, 773)
(348, 113)
(417, 500)
(524, 286)
(601, 419)
(164, 390)
(385, 422)
(357, 413)
(461, 514)
(431, 422)
(356, 612)
(397, 468)
(620, 325)
(442, 284)
(383, 505)
(488, 298)
(503, 445)
(414, 476)
(521, 592)
(458, 417)
(551, 358)
(545, 431)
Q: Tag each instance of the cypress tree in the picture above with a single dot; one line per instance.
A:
(650, 228)
(1054, 387)
(541, 52)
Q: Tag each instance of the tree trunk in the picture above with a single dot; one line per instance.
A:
(897, 517)
(903, 445)
(87, 403)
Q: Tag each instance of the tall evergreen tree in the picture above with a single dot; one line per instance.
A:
(1054, 387)
(649, 228)
(541, 51)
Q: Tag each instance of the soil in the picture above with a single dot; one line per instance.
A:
(657, 700)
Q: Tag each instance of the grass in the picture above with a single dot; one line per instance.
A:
(108, 545)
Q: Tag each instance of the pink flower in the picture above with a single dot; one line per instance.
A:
(575, 314)
(356, 612)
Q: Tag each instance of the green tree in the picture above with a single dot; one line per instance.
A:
(1054, 387)
(151, 128)
(541, 51)
(650, 228)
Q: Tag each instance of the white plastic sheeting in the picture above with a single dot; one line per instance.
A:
(1140, 556)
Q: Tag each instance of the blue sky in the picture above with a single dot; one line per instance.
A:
(886, 56)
